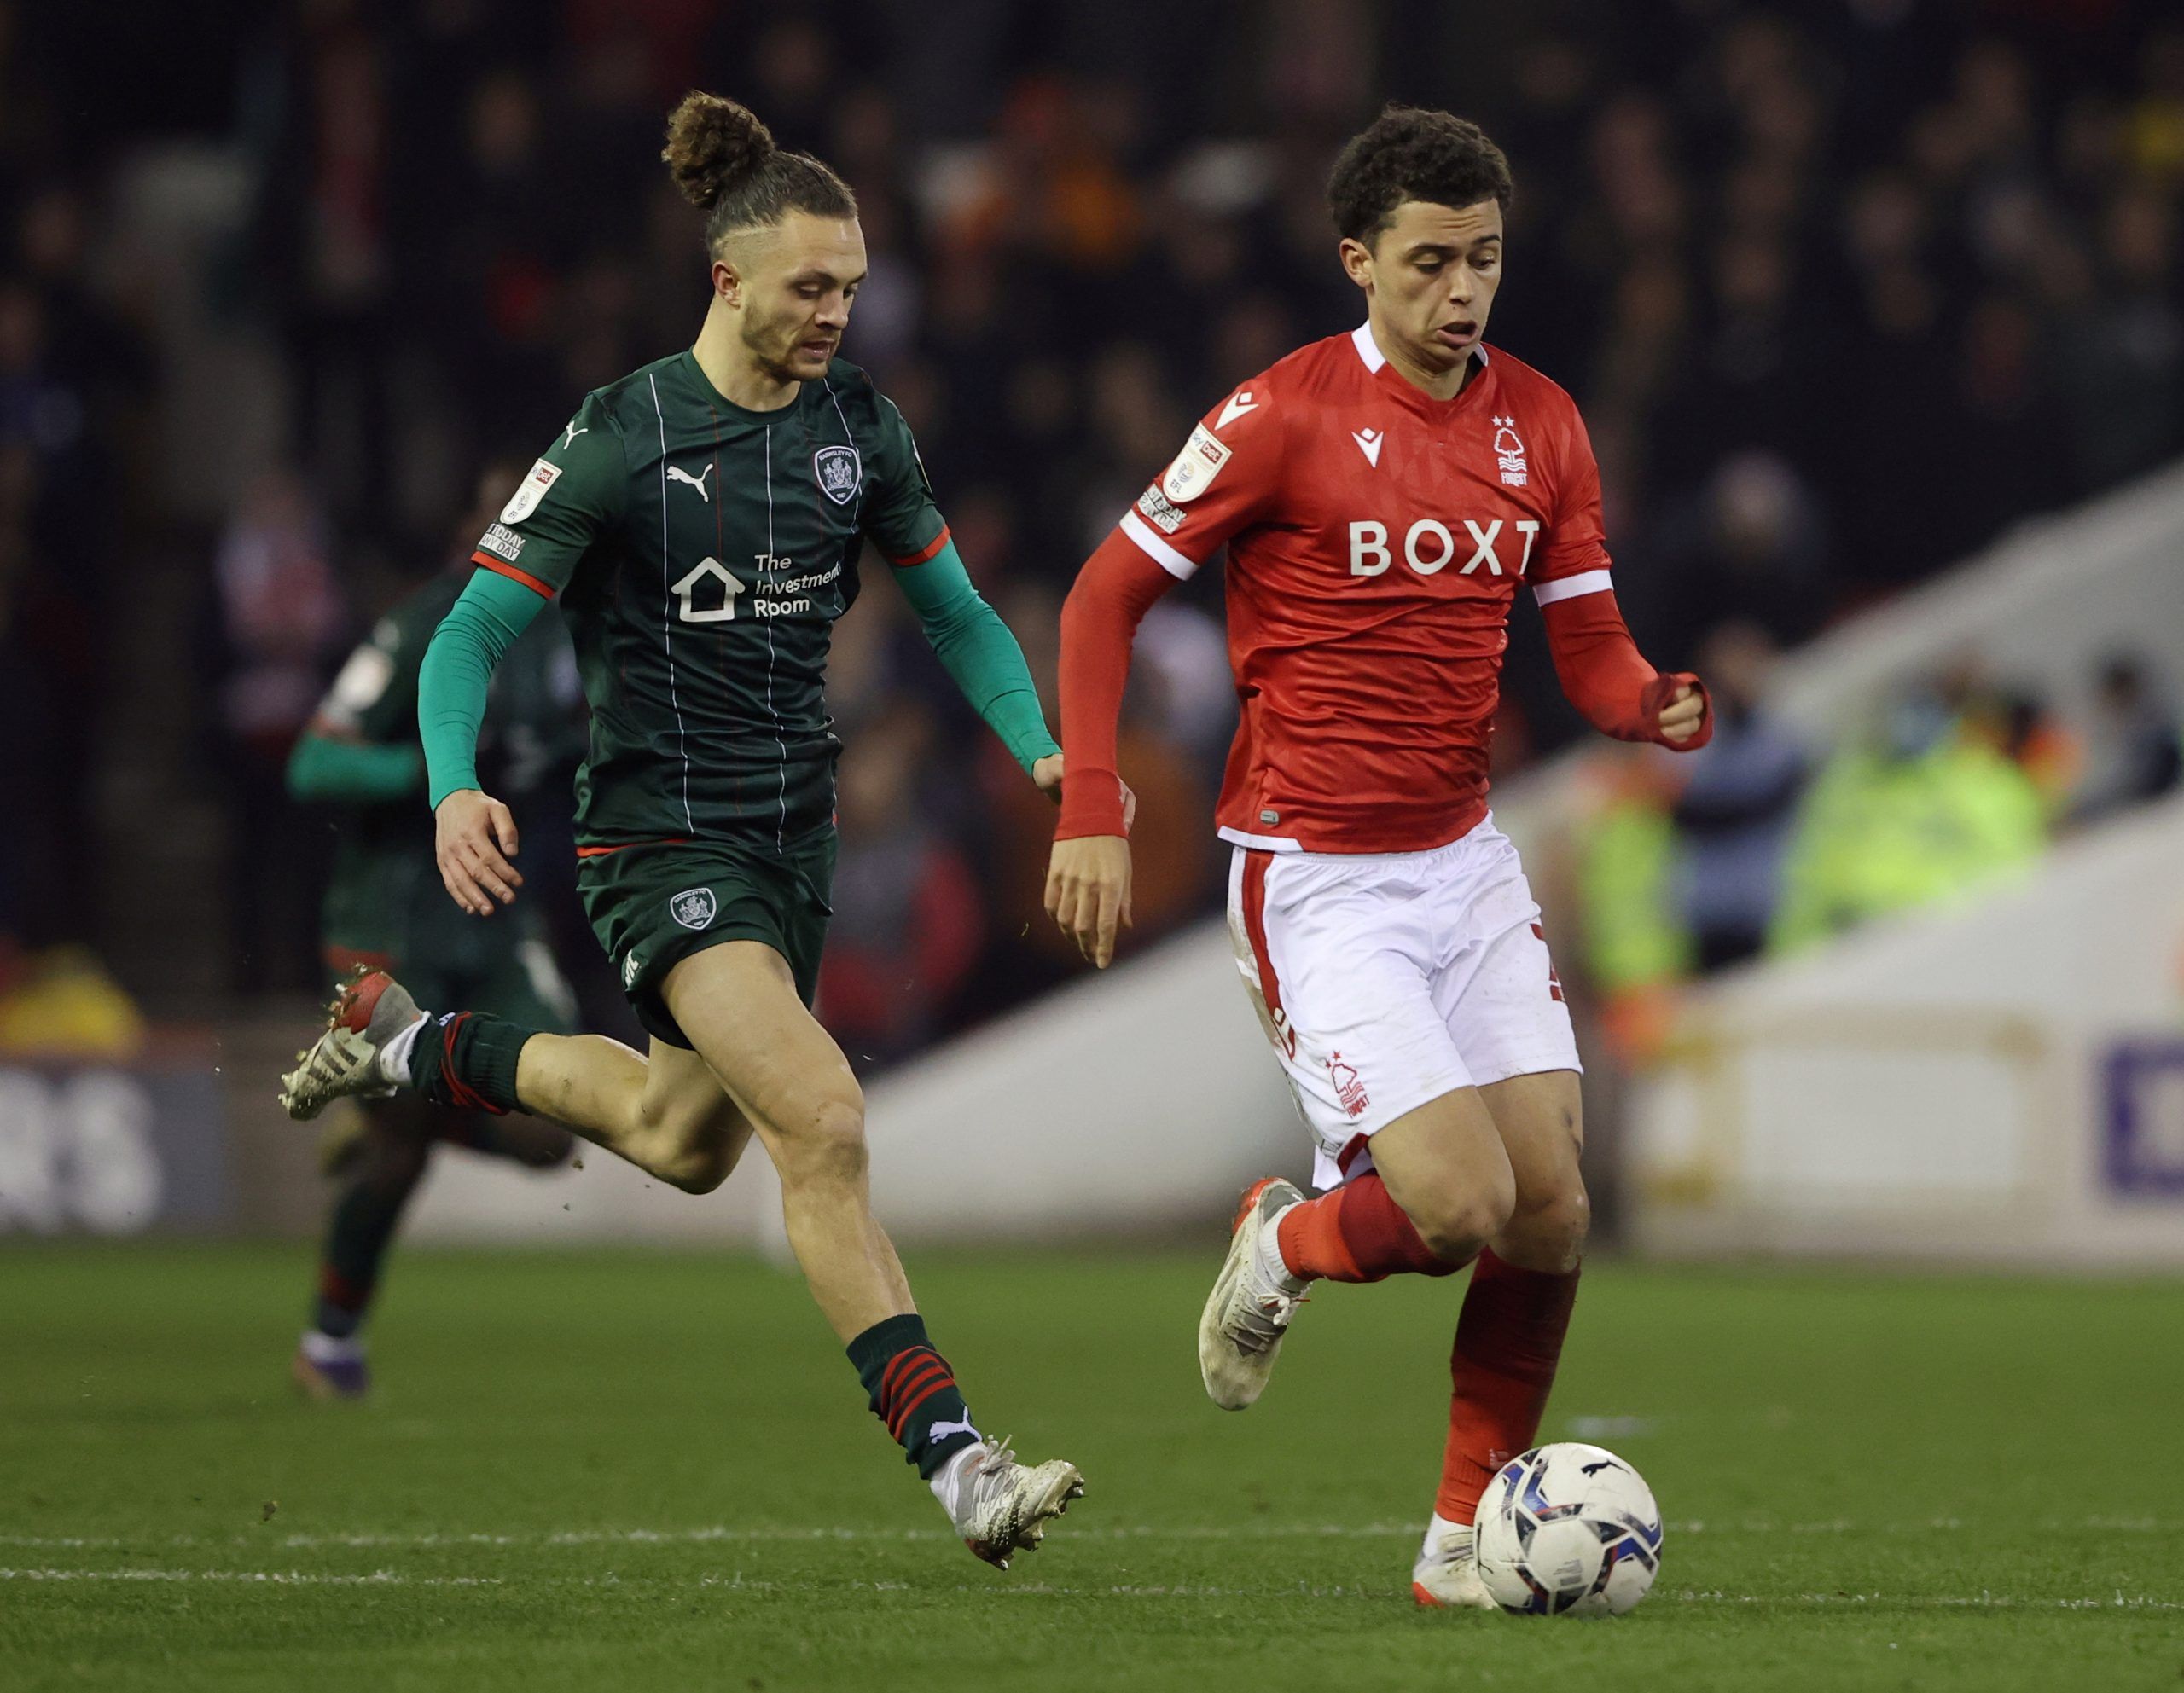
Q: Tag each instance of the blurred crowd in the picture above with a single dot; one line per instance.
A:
(1844, 289)
(1763, 844)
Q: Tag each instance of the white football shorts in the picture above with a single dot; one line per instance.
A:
(1392, 978)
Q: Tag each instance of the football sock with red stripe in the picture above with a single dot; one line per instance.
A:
(1357, 1233)
(467, 1059)
(358, 1235)
(913, 1391)
(1508, 1340)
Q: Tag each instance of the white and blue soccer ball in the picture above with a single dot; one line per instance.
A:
(1568, 1530)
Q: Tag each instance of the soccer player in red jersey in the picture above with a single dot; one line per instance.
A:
(1384, 496)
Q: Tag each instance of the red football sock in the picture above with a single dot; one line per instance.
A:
(1508, 1340)
(1357, 1233)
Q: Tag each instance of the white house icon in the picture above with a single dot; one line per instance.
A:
(686, 590)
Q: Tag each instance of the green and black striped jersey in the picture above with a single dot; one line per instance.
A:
(701, 552)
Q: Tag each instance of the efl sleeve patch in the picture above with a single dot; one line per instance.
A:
(1195, 466)
(525, 500)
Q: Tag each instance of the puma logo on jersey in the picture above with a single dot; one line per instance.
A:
(570, 434)
(1238, 403)
(1369, 443)
(676, 473)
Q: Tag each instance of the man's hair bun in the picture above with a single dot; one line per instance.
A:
(713, 145)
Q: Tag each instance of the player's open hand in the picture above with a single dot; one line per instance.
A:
(1088, 893)
(475, 839)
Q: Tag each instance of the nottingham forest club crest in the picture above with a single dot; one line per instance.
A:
(840, 473)
(1509, 451)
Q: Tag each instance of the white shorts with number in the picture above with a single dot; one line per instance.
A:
(1392, 978)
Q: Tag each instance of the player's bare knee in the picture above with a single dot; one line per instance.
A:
(826, 1147)
(698, 1163)
(1456, 1220)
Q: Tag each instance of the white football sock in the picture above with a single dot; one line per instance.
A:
(394, 1056)
(1434, 1530)
(324, 1348)
(951, 1481)
(1267, 1261)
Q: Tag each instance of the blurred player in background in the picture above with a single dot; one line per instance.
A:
(700, 521)
(386, 910)
(1383, 496)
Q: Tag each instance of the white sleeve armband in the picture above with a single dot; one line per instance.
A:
(1570, 587)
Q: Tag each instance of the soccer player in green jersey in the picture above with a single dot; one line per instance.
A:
(385, 909)
(700, 522)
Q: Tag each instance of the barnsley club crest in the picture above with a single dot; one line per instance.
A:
(693, 908)
(840, 473)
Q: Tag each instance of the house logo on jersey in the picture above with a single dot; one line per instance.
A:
(1509, 453)
(693, 907)
(1349, 1089)
(840, 473)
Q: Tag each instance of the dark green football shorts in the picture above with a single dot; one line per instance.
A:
(653, 905)
(394, 915)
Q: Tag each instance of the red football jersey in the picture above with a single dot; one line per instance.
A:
(1376, 538)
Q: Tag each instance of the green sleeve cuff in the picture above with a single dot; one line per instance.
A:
(473, 637)
(350, 771)
(975, 647)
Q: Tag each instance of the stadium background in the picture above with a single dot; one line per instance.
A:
(1846, 292)
(1873, 308)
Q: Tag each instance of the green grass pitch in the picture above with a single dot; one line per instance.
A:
(626, 1471)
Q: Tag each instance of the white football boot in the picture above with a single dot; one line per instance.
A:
(1000, 1506)
(369, 1029)
(1446, 1574)
(1254, 1297)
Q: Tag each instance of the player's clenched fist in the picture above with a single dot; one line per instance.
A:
(1683, 714)
(475, 839)
(1088, 893)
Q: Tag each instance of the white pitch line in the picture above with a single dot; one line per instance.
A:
(276, 1578)
(785, 1536)
(1877, 1601)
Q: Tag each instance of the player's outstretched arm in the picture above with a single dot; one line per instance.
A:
(1088, 876)
(977, 650)
(476, 834)
(1604, 676)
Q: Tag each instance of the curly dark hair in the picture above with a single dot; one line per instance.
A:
(727, 164)
(1409, 152)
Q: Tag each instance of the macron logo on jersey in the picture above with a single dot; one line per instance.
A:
(1238, 403)
(1369, 443)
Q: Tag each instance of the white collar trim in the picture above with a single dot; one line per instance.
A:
(1369, 350)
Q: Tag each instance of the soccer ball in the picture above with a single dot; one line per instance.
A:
(1568, 1530)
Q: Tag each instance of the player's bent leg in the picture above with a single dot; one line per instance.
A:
(1540, 1119)
(1445, 1168)
(738, 1002)
(665, 1112)
(1516, 1314)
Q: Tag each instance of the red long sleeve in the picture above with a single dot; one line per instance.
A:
(1606, 677)
(1099, 620)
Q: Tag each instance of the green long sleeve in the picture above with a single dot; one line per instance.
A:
(356, 771)
(473, 637)
(977, 650)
